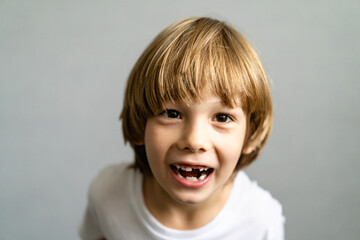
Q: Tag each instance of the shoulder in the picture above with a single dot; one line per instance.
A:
(109, 181)
(258, 204)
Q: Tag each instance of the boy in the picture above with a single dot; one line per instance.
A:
(197, 111)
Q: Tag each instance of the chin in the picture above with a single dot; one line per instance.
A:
(189, 198)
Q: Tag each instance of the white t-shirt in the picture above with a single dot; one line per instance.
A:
(116, 210)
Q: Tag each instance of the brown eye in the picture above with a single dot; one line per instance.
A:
(221, 117)
(170, 113)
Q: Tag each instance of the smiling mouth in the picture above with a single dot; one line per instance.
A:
(191, 173)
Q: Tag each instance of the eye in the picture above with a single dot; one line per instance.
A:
(170, 113)
(222, 117)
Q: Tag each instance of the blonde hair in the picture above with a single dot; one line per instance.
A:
(187, 61)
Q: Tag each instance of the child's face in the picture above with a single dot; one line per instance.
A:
(193, 150)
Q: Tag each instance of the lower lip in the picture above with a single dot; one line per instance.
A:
(191, 184)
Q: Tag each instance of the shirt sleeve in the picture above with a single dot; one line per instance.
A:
(92, 226)
(276, 230)
(89, 228)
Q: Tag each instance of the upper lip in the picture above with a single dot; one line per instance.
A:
(192, 164)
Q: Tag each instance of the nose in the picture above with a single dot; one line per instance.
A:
(195, 137)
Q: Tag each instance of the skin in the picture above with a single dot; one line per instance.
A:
(207, 134)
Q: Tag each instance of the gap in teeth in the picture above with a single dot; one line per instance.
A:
(189, 169)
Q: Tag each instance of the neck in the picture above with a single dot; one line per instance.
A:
(183, 216)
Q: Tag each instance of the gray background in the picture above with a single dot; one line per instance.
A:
(63, 67)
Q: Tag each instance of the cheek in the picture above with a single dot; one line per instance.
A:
(156, 142)
(151, 142)
(231, 146)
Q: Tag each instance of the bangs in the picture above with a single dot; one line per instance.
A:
(203, 60)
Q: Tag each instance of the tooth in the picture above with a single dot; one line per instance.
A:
(180, 175)
(203, 176)
(201, 169)
(205, 169)
(193, 179)
(188, 169)
(177, 166)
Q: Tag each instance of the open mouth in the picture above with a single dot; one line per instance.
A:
(191, 173)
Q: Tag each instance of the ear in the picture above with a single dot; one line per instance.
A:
(249, 148)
